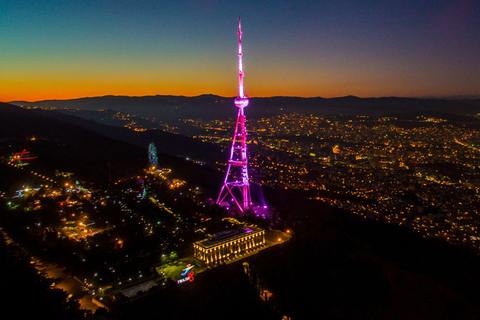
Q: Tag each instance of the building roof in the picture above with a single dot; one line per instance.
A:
(227, 236)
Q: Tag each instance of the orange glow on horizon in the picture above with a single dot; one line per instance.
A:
(64, 92)
(59, 89)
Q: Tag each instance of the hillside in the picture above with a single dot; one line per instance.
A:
(95, 152)
(211, 107)
(337, 266)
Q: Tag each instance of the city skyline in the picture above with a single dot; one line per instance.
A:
(65, 50)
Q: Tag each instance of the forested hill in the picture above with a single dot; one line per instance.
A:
(96, 152)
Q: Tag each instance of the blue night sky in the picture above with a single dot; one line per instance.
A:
(69, 49)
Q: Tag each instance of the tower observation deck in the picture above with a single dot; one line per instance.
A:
(236, 185)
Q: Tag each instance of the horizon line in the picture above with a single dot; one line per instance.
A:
(450, 97)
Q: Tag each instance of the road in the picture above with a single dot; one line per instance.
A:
(64, 281)
(71, 285)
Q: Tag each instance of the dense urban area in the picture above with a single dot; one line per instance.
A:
(418, 172)
(422, 172)
(101, 235)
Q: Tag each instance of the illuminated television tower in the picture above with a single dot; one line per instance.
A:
(236, 182)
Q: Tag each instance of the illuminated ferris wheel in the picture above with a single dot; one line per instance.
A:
(152, 155)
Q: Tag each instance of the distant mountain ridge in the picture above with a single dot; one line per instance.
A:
(211, 107)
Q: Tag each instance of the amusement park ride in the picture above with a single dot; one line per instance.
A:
(152, 156)
(153, 165)
(236, 183)
(22, 157)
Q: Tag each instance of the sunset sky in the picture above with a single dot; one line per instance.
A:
(71, 49)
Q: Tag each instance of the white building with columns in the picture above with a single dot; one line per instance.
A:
(228, 245)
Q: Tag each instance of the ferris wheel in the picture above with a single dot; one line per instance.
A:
(152, 155)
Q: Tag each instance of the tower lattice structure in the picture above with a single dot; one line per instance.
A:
(236, 183)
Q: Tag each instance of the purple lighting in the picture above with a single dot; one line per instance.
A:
(236, 181)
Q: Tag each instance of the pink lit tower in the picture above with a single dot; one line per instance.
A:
(236, 182)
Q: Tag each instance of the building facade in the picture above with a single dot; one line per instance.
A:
(228, 245)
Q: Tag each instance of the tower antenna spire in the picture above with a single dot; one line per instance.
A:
(240, 61)
(236, 183)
